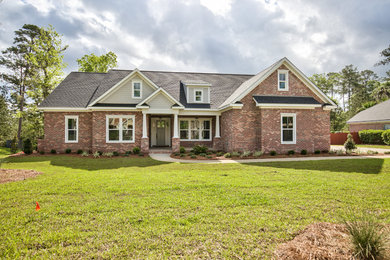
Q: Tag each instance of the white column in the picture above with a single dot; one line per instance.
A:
(176, 126)
(217, 134)
(144, 125)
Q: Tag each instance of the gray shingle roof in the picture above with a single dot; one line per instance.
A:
(286, 100)
(379, 112)
(79, 89)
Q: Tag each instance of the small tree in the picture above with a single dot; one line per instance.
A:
(349, 145)
(27, 146)
(14, 145)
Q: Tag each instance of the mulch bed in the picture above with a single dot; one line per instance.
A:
(35, 154)
(9, 175)
(318, 241)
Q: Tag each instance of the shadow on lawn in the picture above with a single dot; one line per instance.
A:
(89, 164)
(366, 166)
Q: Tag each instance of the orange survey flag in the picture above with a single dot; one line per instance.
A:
(37, 207)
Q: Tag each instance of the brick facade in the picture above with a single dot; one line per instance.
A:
(374, 126)
(246, 129)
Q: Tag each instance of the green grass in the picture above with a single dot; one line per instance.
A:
(371, 146)
(4, 152)
(141, 208)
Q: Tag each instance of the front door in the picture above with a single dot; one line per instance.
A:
(161, 125)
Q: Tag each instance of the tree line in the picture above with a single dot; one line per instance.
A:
(31, 68)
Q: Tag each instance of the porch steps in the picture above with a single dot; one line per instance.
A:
(160, 150)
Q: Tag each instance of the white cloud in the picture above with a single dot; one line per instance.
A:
(218, 7)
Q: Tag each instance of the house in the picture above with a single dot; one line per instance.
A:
(277, 109)
(376, 117)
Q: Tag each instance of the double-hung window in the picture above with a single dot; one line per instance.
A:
(282, 80)
(288, 128)
(71, 129)
(120, 129)
(137, 89)
(198, 95)
(193, 129)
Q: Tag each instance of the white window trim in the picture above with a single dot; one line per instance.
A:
(294, 116)
(286, 81)
(120, 128)
(201, 120)
(201, 97)
(132, 88)
(66, 129)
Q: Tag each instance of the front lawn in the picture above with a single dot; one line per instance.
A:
(141, 208)
(4, 152)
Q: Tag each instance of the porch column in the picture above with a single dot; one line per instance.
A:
(176, 126)
(144, 126)
(217, 134)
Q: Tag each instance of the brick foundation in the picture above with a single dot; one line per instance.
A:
(175, 145)
(145, 145)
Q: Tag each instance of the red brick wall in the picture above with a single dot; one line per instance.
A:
(99, 132)
(375, 126)
(251, 128)
(54, 125)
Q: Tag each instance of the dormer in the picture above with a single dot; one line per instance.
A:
(197, 91)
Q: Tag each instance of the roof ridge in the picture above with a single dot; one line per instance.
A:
(89, 72)
(187, 72)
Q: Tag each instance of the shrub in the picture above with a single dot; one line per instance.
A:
(209, 157)
(371, 136)
(291, 152)
(127, 153)
(176, 154)
(272, 153)
(203, 154)
(304, 152)
(96, 154)
(209, 153)
(193, 156)
(324, 151)
(235, 154)
(339, 152)
(349, 145)
(42, 152)
(141, 155)
(136, 150)
(317, 152)
(79, 151)
(258, 153)
(387, 152)
(85, 154)
(27, 146)
(182, 149)
(246, 154)
(198, 149)
(182, 155)
(52, 151)
(108, 154)
(386, 137)
(219, 154)
(68, 150)
(367, 236)
(372, 152)
(115, 153)
(332, 151)
(227, 155)
(14, 145)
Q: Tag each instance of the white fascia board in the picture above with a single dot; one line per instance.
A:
(197, 85)
(287, 106)
(63, 109)
(199, 113)
(117, 85)
(113, 109)
(369, 122)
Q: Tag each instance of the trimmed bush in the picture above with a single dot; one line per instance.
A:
(182, 149)
(108, 154)
(68, 150)
(198, 149)
(386, 137)
(303, 152)
(52, 151)
(371, 136)
(291, 152)
(246, 154)
(136, 150)
(317, 152)
(127, 153)
(219, 154)
(176, 154)
(387, 152)
(349, 145)
(100, 152)
(27, 146)
(203, 154)
(193, 156)
(115, 153)
(141, 155)
(272, 153)
(227, 155)
(182, 155)
(324, 151)
(258, 153)
(79, 151)
(209, 157)
(42, 152)
(85, 154)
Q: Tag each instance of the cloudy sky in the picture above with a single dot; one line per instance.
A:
(232, 36)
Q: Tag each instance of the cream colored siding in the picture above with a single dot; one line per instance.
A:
(191, 94)
(160, 102)
(123, 94)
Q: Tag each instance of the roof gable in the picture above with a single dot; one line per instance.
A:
(377, 113)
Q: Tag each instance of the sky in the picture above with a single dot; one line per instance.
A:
(226, 36)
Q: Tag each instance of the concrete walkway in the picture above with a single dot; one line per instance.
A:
(362, 149)
(166, 158)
